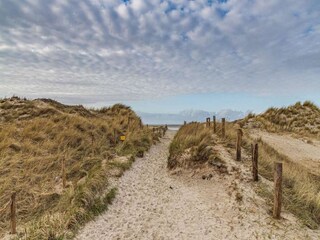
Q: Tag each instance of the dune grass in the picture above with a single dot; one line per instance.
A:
(37, 137)
(192, 145)
(301, 189)
(300, 118)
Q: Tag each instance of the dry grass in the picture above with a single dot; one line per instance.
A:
(301, 189)
(37, 136)
(192, 145)
(303, 119)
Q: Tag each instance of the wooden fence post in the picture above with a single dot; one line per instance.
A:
(115, 136)
(92, 138)
(238, 145)
(208, 122)
(64, 175)
(214, 124)
(255, 155)
(223, 130)
(185, 122)
(129, 122)
(13, 212)
(277, 190)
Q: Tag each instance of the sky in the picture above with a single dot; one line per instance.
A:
(162, 55)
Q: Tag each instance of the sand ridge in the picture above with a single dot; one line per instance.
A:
(297, 150)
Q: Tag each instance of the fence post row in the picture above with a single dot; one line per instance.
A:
(64, 175)
(13, 211)
(277, 190)
(223, 130)
(208, 122)
(129, 121)
(115, 136)
(255, 155)
(238, 145)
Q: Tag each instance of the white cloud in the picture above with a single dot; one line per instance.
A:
(123, 11)
(138, 5)
(100, 50)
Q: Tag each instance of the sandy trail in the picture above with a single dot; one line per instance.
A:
(153, 204)
(307, 154)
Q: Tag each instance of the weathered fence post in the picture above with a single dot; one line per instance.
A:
(185, 122)
(129, 121)
(208, 122)
(13, 212)
(255, 154)
(92, 138)
(238, 145)
(64, 177)
(115, 136)
(214, 124)
(277, 190)
(223, 130)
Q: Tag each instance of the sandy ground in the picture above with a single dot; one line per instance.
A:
(298, 150)
(154, 204)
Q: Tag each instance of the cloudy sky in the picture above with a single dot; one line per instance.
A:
(162, 55)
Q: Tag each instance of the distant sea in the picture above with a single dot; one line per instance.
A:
(174, 127)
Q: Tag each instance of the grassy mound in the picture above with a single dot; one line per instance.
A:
(41, 141)
(299, 118)
(191, 146)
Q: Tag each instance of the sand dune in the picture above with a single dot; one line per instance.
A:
(154, 204)
(297, 150)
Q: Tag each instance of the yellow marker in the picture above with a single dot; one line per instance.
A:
(122, 138)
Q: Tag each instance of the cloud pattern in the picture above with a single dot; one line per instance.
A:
(87, 51)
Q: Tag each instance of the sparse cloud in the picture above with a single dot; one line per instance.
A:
(87, 51)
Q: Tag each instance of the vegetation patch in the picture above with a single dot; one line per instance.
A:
(301, 189)
(191, 146)
(58, 159)
(300, 118)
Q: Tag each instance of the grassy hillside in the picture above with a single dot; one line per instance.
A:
(299, 118)
(41, 141)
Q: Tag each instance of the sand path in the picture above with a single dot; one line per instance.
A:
(298, 150)
(153, 204)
